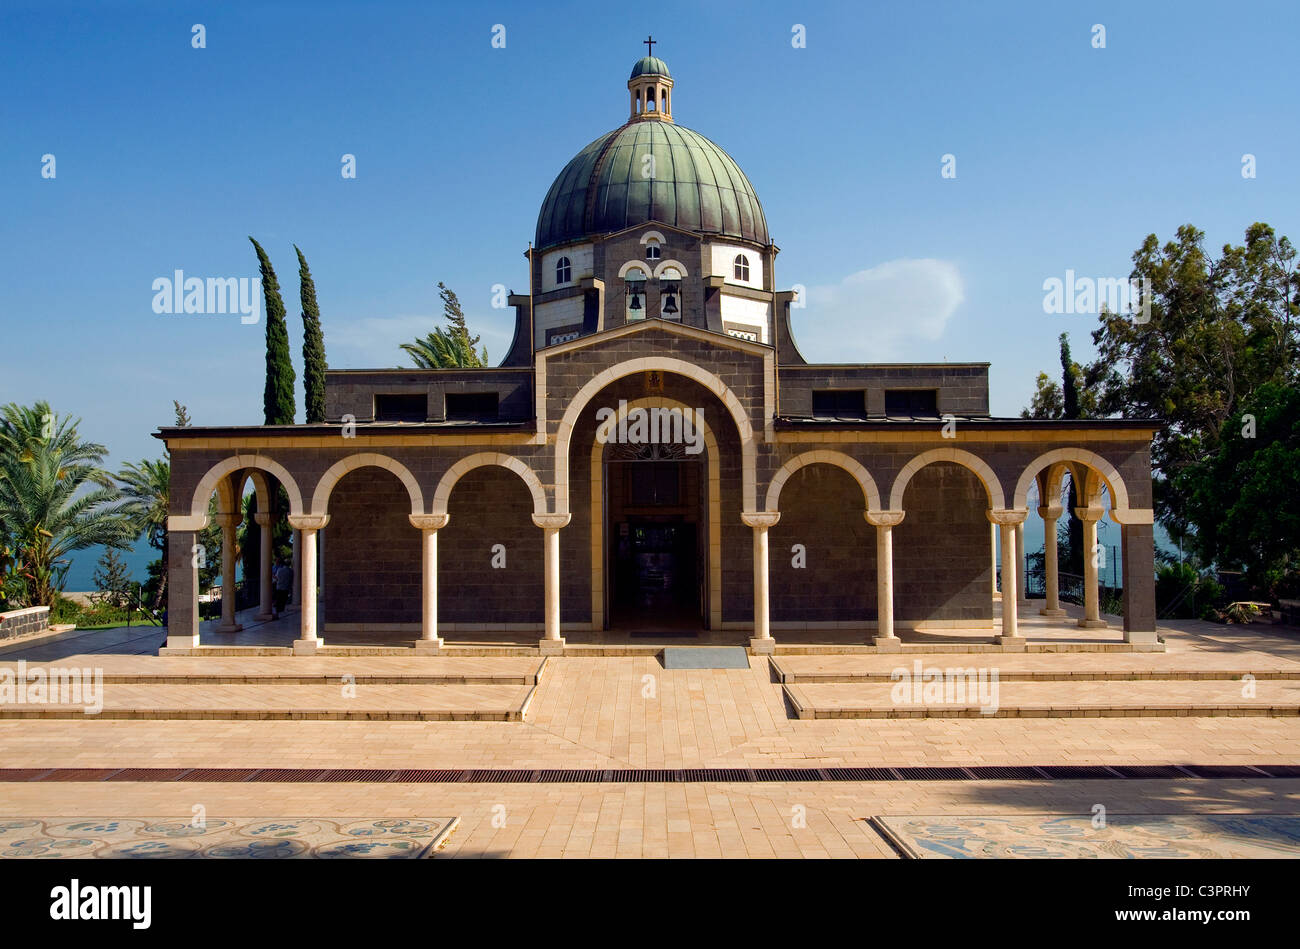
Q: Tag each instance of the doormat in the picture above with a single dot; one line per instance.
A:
(706, 657)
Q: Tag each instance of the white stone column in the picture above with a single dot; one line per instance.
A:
(228, 524)
(263, 520)
(885, 522)
(1006, 520)
(993, 560)
(551, 525)
(1091, 605)
(1051, 576)
(429, 525)
(296, 595)
(761, 643)
(309, 641)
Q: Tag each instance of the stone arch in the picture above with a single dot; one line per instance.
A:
(564, 434)
(210, 481)
(332, 476)
(261, 487)
(713, 488)
(665, 264)
(443, 492)
(1108, 472)
(870, 494)
(958, 456)
(641, 265)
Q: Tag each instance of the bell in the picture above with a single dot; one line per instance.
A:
(636, 302)
(670, 305)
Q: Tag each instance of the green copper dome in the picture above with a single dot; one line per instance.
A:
(696, 187)
(650, 66)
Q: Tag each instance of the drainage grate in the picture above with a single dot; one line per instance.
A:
(932, 774)
(1281, 770)
(148, 774)
(1149, 771)
(80, 774)
(1075, 772)
(1224, 771)
(649, 775)
(996, 773)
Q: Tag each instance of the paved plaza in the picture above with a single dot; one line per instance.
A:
(629, 733)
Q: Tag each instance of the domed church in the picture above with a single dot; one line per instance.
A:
(655, 462)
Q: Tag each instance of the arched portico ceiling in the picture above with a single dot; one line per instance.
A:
(564, 434)
(332, 476)
(958, 456)
(442, 494)
(870, 494)
(1108, 473)
(211, 480)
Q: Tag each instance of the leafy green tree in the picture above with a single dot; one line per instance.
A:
(146, 493)
(112, 580)
(1243, 496)
(277, 398)
(1218, 330)
(449, 347)
(55, 498)
(182, 415)
(313, 346)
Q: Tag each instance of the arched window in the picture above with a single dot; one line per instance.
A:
(563, 271)
(652, 250)
(742, 267)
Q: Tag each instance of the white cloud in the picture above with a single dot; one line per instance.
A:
(871, 315)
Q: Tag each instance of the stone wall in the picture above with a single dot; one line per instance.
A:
(942, 562)
(371, 552)
(24, 622)
(821, 508)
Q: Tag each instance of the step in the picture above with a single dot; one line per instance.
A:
(265, 702)
(299, 670)
(1017, 699)
(1013, 667)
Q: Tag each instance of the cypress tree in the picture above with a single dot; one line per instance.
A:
(313, 346)
(277, 398)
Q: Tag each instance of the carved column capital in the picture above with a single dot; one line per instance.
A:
(308, 522)
(1007, 518)
(764, 519)
(552, 522)
(884, 518)
(429, 522)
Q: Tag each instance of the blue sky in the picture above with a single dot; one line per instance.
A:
(168, 157)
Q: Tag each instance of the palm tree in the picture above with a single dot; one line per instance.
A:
(445, 349)
(146, 490)
(55, 498)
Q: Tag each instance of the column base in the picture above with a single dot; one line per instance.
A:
(1012, 643)
(763, 647)
(1046, 612)
(307, 647)
(429, 647)
(264, 616)
(230, 628)
(551, 647)
(1093, 623)
(1130, 636)
(182, 642)
(888, 644)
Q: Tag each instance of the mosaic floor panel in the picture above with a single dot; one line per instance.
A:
(1180, 836)
(238, 838)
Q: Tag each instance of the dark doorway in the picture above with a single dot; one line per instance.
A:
(654, 529)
